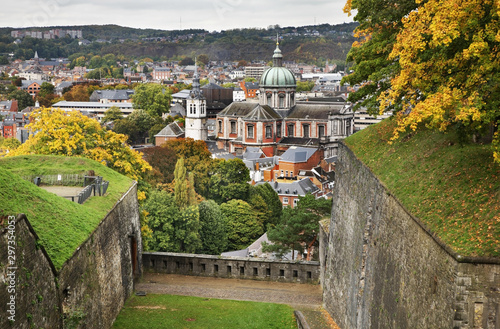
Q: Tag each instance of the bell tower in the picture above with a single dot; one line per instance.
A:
(196, 111)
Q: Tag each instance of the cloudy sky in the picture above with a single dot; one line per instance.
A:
(171, 15)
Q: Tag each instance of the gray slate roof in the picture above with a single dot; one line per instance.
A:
(171, 130)
(178, 109)
(250, 111)
(314, 111)
(114, 95)
(297, 154)
(299, 188)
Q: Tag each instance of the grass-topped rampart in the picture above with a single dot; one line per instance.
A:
(453, 189)
(61, 225)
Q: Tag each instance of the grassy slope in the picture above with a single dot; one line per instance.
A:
(453, 189)
(166, 311)
(62, 225)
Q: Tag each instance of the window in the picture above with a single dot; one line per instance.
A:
(295, 201)
(282, 273)
(233, 127)
(285, 200)
(282, 101)
(220, 126)
(291, 173)
(255, 271)
(305, 128)
(286, 173)
(290, 130)
(321, 131)
(250, 131)
(278, 130)
(269, 132)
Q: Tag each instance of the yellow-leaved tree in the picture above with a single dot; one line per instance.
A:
(449, 58)
(54, 131)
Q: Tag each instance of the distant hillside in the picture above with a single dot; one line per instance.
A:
(310, 44)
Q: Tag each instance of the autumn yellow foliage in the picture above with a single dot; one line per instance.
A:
(54, 131)
(449, 56)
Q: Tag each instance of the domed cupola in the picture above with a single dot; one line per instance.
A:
(277, 84)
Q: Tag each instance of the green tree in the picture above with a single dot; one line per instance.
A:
(173, 230)
(23, 98)
(273, 203)
(230, 181)
(152, 98)
(203, 58)
(299, 226)
(112, 114)
(181, 188)
(243, 226)
(198, 160)
(46, 89)
(305, 85)
(186, 61)
(213, 233)
(161, 214)
(379, 24)
(127, 128)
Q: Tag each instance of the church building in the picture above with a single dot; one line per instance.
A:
(278, 121)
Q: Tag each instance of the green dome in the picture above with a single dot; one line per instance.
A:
(277, 77)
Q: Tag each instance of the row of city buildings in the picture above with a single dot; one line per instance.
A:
(284, 137)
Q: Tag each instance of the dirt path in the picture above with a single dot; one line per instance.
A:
(304, 297)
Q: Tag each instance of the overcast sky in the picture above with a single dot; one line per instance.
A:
(172, 15)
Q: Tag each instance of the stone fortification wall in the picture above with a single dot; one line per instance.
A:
(97, 280)
(385, 270)
(28, 285)
(91, 287)
(236, 267)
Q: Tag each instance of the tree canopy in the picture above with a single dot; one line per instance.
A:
(230, 181)
(213, 233)
(243, 226)
(53, 131)
(434, 62)
(152, 98)
(449, 53)
(298, 229)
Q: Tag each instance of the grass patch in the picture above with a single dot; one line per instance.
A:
(62, 225)
(454, 189)
(167, 311)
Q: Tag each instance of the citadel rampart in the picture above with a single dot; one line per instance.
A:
(90, 288)
(235, 267)
(384, 269)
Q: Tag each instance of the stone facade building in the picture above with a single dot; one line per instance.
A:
(277, 121)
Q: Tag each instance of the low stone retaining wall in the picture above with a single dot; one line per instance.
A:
(235, 267)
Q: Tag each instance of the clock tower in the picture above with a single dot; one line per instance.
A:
(196, 111)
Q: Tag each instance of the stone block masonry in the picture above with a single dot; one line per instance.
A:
(233, 267)
(91, 287)
(384, 269)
